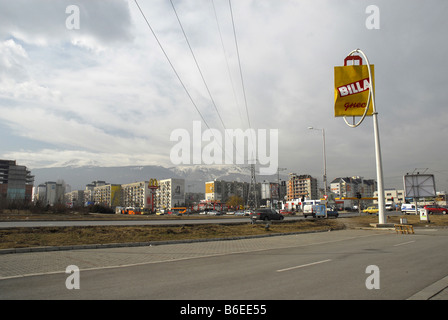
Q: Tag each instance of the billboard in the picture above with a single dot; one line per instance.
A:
(352, 90)
(419, 185)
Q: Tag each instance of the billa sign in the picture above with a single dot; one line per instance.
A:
(352, 90)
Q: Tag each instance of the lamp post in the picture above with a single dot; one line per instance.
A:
(325, 158)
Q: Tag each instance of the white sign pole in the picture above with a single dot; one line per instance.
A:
(379, 166)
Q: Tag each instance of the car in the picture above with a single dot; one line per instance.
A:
(286, 212)
(248, 212)
(435, 209)
(266, 214)
(239, 213)
(215, 213)
(371, 210)
(332, 213)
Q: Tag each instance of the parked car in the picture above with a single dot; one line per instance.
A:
(239, 213)
(435, 209)
(266, 214)
(371, 210)
(215, 213)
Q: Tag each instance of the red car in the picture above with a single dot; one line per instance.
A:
(436, 209)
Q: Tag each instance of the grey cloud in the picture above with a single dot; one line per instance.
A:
(44, 21)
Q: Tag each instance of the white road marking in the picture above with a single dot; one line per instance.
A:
(403, 243)
(304, 265)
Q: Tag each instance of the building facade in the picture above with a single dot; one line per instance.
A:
(74, 198)
(221, 191)
(393, 197)
(171, 194)
(136, 194)
(16, 182)
(301, 186)
(108, 195)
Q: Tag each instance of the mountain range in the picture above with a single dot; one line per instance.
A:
(195, 175)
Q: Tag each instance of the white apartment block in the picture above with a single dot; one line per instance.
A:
(136, 194)
(171, 194)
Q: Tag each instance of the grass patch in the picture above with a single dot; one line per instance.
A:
(65, 236)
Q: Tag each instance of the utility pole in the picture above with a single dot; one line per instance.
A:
(278, 184)
(252, 196)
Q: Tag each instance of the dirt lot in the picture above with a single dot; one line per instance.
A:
(64, 236)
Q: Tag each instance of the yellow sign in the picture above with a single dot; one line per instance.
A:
(209, 187)
(351, 90)
(153, 183)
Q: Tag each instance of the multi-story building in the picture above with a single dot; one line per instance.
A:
(392, 197)
(89, 191)
(108, 195)
(16, 182)
(50, 193)
(171, 194)
(75, 198)
(136, 194)
(221, 191)
(350, 187)
(301, 186)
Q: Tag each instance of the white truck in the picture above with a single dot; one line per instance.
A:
(408, 208)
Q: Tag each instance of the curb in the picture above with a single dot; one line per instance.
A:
(431, 291)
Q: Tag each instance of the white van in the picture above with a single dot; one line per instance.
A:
(308, 210)
(408, 208)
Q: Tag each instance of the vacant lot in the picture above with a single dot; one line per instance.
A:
(64, 236)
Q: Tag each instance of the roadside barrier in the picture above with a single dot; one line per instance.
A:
(404, 228)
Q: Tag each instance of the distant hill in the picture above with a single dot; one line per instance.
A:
(195, 175)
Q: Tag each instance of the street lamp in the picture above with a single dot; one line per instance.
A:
(325, 158)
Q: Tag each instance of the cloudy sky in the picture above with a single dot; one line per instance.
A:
(105, 93)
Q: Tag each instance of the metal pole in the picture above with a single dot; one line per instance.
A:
(379, 166)
(325, 164)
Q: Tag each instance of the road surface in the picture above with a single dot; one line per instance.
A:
(325, 265)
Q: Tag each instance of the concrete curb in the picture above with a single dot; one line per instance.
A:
(433, 290)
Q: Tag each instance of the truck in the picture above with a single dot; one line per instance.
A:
(408, 208)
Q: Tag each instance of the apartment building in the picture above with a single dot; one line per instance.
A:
(301, 186)
(220, 190)
(89, 191)
(393, 197)
(350, 186)
(171, 194)
(75, 198)
(136, 194)
(16, 182)
(108, 195)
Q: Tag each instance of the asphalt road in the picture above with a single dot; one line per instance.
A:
(326, 265)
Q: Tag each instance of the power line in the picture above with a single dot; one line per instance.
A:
(241, 72)
(227, 62)
(203, 79)
(171, 64)
(197, 64)
(239, 63)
